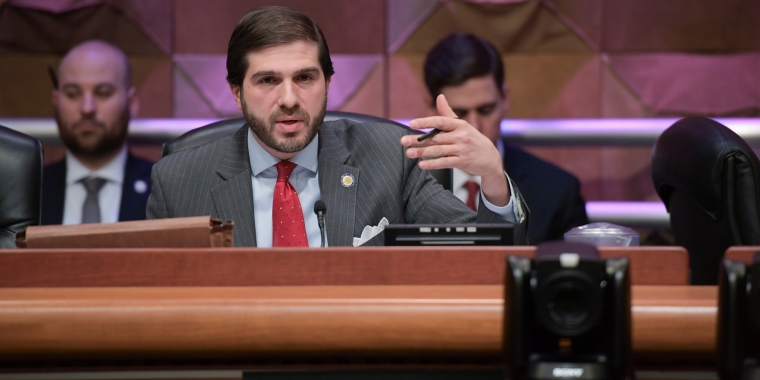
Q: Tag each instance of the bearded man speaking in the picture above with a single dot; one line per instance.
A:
(268, 175)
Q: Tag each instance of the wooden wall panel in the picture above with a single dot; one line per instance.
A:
(701, 26)
(350, 27)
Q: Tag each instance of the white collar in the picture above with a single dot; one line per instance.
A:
(262, 160)
(113, 171)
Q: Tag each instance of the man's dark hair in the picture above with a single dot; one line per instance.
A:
(458, 58)
(271, 26)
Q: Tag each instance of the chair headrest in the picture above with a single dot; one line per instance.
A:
(21, 172)
(226, 127)
(690, 156)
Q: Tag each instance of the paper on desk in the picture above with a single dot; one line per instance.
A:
(370, 232)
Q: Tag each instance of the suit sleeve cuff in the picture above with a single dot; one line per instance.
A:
(512, 212)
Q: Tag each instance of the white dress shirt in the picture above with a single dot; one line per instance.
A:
(109, 197)
(305, 179)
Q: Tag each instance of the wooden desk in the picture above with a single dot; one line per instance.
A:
(430, 307)
(742, 253)
(283, 266)
(433, 324)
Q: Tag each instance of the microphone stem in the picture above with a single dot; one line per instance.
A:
(321, 219)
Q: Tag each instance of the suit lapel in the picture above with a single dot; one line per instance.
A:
(129, 196)
(340, 199)
(125, 211)
(53, 193)
(233, 198)
(513, 164)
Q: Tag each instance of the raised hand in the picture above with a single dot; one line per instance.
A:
(459, 145)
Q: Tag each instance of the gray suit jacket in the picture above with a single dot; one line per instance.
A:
(215, 179)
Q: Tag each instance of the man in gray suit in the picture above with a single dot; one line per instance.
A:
(268, 175)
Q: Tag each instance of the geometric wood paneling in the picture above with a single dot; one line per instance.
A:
(564, 59)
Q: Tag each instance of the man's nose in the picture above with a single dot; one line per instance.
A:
(473, 119)
(288, 95)
(88, 104)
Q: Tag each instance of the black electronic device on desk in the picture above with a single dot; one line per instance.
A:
(738, 338)
(567, 314)
(449, 234)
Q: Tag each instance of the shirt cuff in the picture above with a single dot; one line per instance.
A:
(512, 212)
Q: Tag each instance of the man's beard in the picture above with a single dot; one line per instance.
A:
(108, 143)
(265, 132)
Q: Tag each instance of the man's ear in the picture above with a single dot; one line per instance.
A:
(54, 94)
(327, 84)
(236, 94)
(431, 110)
(505, 97)
(134, 102)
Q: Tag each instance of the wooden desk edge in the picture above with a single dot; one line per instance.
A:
(287, 321)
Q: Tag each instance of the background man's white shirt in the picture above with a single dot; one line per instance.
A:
(109, 198)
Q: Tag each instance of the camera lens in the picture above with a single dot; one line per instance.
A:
(569, 308)
(568, 303)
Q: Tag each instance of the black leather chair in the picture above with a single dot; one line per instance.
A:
(707, 176)
(20, 184)
(226, 127)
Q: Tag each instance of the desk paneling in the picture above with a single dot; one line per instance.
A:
(669, 319)
(320, 321)
(284, 266)
(742, 253)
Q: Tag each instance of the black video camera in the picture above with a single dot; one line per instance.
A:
(739, 320)
(567, 314)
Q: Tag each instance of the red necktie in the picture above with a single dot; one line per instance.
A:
(472, 193)
(288, 228)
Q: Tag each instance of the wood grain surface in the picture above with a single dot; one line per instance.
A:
(315, 321)
(742, 253)
(283, 266)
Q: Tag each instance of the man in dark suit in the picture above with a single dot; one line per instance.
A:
(99, 180)
(268, 176)
(468, 70)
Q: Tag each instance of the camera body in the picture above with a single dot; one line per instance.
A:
(739, 320)
(567, 314)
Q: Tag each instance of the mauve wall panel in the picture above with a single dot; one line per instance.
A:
(564, 59)
(583, 17)
(521, 27)
(350, 27)
(700, 26)
(153, 79)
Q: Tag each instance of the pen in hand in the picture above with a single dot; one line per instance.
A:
(429, 134)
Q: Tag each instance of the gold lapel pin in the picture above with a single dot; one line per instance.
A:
(347, 180)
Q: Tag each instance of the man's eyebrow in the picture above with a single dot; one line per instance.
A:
(99, 85)
(72, 86)
(308, 70)
(487, 105)
(265, 73)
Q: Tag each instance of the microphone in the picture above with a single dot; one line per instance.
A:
(321, 209)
